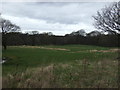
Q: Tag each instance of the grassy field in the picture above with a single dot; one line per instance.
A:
(60, 66)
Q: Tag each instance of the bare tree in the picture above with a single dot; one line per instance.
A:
(35, 32)
(108, 19)
(6, 27)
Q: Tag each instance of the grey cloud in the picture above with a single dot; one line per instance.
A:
(64, 13)
(59, 18)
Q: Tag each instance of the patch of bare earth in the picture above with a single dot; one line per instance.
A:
(61, 49)
(104, 51)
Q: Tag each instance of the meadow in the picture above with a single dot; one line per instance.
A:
(66, 66)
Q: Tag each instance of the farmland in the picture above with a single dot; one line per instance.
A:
(67, 66)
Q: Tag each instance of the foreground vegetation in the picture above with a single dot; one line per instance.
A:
(66, 66)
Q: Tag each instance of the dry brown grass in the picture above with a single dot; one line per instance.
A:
(80, 74)
(32, 78)
(0, 82)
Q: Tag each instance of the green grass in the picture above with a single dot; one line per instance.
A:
(21, 58)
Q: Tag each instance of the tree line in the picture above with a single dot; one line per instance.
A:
(16, 38)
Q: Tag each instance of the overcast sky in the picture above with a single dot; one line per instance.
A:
(58, 18)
